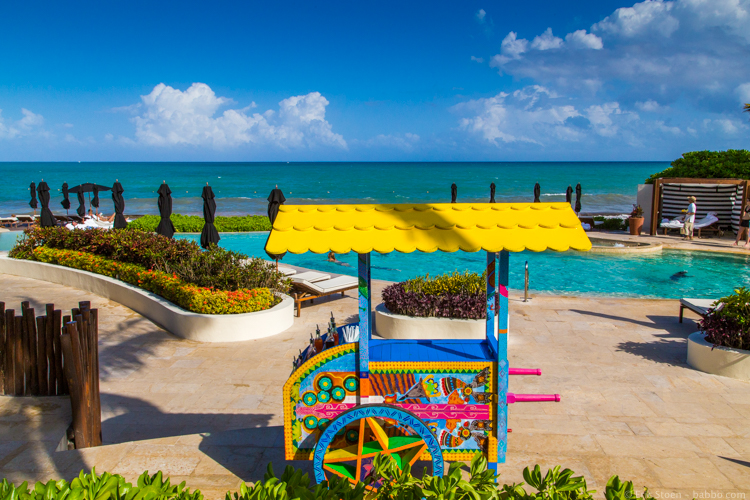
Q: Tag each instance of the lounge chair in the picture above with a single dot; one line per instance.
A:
(9, 221)
(311, 276)
(26, 219)
(307, 290)
(287, 271)
(709, 223)
(698, 306)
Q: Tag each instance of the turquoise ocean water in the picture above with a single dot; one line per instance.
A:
(242, 188)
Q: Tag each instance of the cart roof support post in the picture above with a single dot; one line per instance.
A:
(503, 317)
(365, 324)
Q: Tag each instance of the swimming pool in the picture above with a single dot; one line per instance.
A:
(707, 275)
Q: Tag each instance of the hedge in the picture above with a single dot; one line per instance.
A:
(194, 223)
(396, 484)
(186, 295)
(730, 164)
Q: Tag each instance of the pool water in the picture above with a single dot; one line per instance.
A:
(669, 274)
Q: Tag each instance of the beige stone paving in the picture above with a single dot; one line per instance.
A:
(673, 240)
(210, 414)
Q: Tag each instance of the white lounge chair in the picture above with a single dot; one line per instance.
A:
(287, 271)
(700, 224)
(9, 221)
(698, 306)
(311, 276)
(308, 290)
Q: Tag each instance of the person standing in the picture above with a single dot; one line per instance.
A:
(744, 225)
(690, 218)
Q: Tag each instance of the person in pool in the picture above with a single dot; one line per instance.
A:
(332, 258)
(744, 225)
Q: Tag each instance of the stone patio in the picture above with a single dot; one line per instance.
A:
(211, 415)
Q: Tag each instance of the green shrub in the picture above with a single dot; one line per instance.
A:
(730, 164)
(454, 295)
(189, 296)
(216, 267)
(194, 223)
(293, 484)
(613, 224)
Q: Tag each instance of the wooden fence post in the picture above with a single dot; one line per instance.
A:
(2, 347)
(18, 354)
(8, 356)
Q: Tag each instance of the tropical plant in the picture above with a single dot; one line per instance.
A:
(294, 484)
(727, 324)
(637, 211)
(453, 295)
(730, 164)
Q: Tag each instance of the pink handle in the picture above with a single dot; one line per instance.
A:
(524, 371)
(531, 398)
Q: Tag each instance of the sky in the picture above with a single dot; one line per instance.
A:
(549, 80)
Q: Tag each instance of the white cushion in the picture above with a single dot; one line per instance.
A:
(310, 276)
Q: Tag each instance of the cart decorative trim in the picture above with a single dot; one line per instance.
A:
(449, 227)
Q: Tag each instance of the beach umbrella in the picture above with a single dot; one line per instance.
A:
(66, 201)
(209, 235)
(537, 192)
(569, 194)
(119, 201)
(81, 205)
(47, 219)
(492, 193)
(275, 200)
(88, 187)
(95, 200)
(32, 203)
(165, 227)
(578, 198)
(454, 192)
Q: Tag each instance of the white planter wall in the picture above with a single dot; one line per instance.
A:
(174, 319)
(397, 326)
(725, 361)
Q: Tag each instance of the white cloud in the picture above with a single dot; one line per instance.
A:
(725, 126)
(546, 41)
(511, 48)
(172, 117)
(652, 16)
(651, 106)
(743, 92)
(30, 124)
(581, 40)
(666, 128)
(477, 59)
(601, 118)
(481, 14)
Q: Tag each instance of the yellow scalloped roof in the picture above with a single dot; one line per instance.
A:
(428, 227)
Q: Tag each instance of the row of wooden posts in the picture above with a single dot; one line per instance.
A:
(54, 355)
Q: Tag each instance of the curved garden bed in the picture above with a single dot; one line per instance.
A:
(178, 321)
(398, 326)
(718, 360)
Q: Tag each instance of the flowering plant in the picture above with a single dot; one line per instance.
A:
(453, 295)
(727, 324)
(186, 295)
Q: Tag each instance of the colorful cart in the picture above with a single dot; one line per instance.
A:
(436, 400)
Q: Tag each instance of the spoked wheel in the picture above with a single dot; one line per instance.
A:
(351, 441)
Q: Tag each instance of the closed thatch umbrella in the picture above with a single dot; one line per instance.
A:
(81, 204)
(66, 201)
(492, 193)
(209, 235)
(47, 219)
(165, 227)
(537, 192)
(454, 192)
(275, 200)
(569, 194)
(95, 199)
(33, 204)
(119, 201)
(578, 198)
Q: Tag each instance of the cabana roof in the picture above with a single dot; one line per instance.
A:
(449, 227)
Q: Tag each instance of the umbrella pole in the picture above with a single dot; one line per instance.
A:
(277, 265)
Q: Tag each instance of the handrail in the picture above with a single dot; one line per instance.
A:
(526, 283)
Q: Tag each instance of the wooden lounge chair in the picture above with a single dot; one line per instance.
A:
(9, 221)
(698, 306)
(306, 290)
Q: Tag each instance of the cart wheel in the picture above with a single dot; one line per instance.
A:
(373, 429)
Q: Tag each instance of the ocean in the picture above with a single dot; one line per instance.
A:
(242, 188)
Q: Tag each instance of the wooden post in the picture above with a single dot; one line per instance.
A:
(72, 371)
(41, 356)
(8, 355)
(49, 323)
(62, 380)
(655, 204)
(2, 347)
(32, 375)
(97, 412)
(18, 354)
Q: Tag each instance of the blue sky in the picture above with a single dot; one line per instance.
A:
(251, 81)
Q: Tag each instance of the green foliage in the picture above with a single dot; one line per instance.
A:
(90, 486)
(394, 484)
(194, 223)
(446, 284)
(728, 323)
(612, 224)
(730, 164)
